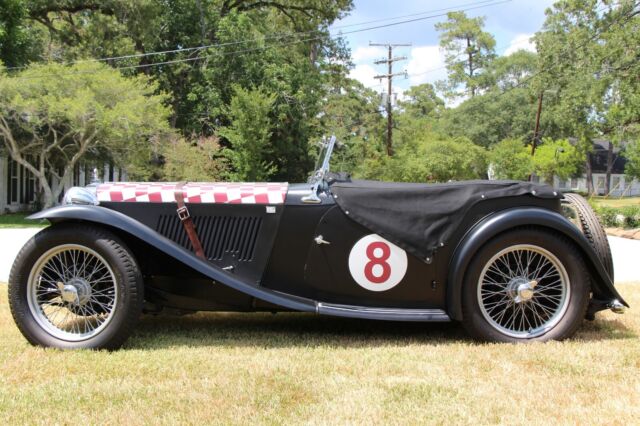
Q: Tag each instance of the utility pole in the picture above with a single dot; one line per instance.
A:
(537, 128)
(389, 76)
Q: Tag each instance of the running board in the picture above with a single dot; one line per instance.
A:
(388, 314)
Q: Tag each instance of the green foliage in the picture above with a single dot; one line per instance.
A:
(249, 134)
(88, 110)
(587, 58)
(258, 49)
(197, 161)
(469, 51)
(627, 217)
(351, 113)
(422, 101)
(632, 154)
(430, 158)
(556, 157)
(511, 159)
(19, 42)
(489, 118)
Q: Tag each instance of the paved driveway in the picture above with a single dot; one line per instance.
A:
(626, 253)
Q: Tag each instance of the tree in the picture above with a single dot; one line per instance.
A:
(589, 54)
(282, 46)
(632, 154)
(512, 71)
(422, 101)
(469, 51)
(250, 154)
(19, 43)
(351, 112)
(196, 161)
(52, 116)
(510, 159)
(434, 159)
(556, 158)
(491, 117)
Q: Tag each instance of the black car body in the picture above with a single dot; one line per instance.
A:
(384, 251)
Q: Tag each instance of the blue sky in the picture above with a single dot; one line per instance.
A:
(511, 23)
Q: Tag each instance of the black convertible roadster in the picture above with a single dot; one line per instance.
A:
(513, 261)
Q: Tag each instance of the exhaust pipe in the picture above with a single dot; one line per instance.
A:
(617, 307)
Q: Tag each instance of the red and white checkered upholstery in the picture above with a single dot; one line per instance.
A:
(216, 193)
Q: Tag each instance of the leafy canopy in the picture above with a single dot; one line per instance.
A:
(47, 124)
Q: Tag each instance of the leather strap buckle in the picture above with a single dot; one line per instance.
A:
(183, 213)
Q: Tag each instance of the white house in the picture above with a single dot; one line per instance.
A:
(19, 188)
(621, 185)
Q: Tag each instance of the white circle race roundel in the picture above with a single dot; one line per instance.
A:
(376, 264)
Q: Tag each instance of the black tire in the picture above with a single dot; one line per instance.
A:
(582, 215)
(107, 283)
(502, 294)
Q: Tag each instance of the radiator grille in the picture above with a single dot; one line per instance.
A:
(220, 235)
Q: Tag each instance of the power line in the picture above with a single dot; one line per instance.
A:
(276, 37)
(478, 5)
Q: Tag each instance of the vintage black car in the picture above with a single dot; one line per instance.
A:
(513, 261)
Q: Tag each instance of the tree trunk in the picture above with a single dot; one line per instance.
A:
(607, 182)
(589, 174)
(49, 200)
(472, 88)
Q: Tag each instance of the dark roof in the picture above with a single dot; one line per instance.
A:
(599, 158)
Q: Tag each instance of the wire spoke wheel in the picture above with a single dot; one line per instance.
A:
(72, 292)
(523, 291)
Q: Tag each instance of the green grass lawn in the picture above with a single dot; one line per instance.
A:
(616, 202)
(301, 368)
(17, 220)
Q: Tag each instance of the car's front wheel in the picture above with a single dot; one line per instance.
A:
(524, 285)
(75, 286)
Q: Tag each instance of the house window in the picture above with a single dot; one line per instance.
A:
(12, 182)
(31, 183)
(616, 183)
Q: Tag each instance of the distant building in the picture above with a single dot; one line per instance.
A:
(621, 185)
(19, 188)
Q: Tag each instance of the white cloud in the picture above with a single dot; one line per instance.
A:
(368, 54)
(521, 42)
(426, 65)
(364, 73)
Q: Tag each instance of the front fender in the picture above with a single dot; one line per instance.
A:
(113, 219)
(502, 221)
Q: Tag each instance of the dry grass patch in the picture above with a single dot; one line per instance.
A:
(616, 202)
(299, 368)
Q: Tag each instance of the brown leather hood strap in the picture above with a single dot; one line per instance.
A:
(185, 218)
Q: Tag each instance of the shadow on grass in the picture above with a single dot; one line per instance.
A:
(286, 330)
(604, 329)
(260, 330)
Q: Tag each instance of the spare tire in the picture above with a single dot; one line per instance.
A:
(578, 211)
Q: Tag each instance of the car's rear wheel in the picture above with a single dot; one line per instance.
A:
(525, 285)
(578, 211)
(75, 286)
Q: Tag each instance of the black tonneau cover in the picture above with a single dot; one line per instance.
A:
(421, 217)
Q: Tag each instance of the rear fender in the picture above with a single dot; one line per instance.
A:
(113, 219)
(502, 221)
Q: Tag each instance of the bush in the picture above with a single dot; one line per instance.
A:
(627, 217)
(631, 216)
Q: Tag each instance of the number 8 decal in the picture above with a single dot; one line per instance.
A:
(376, 264)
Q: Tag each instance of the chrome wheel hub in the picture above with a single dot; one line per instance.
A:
(523, 291)
(77, 291)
